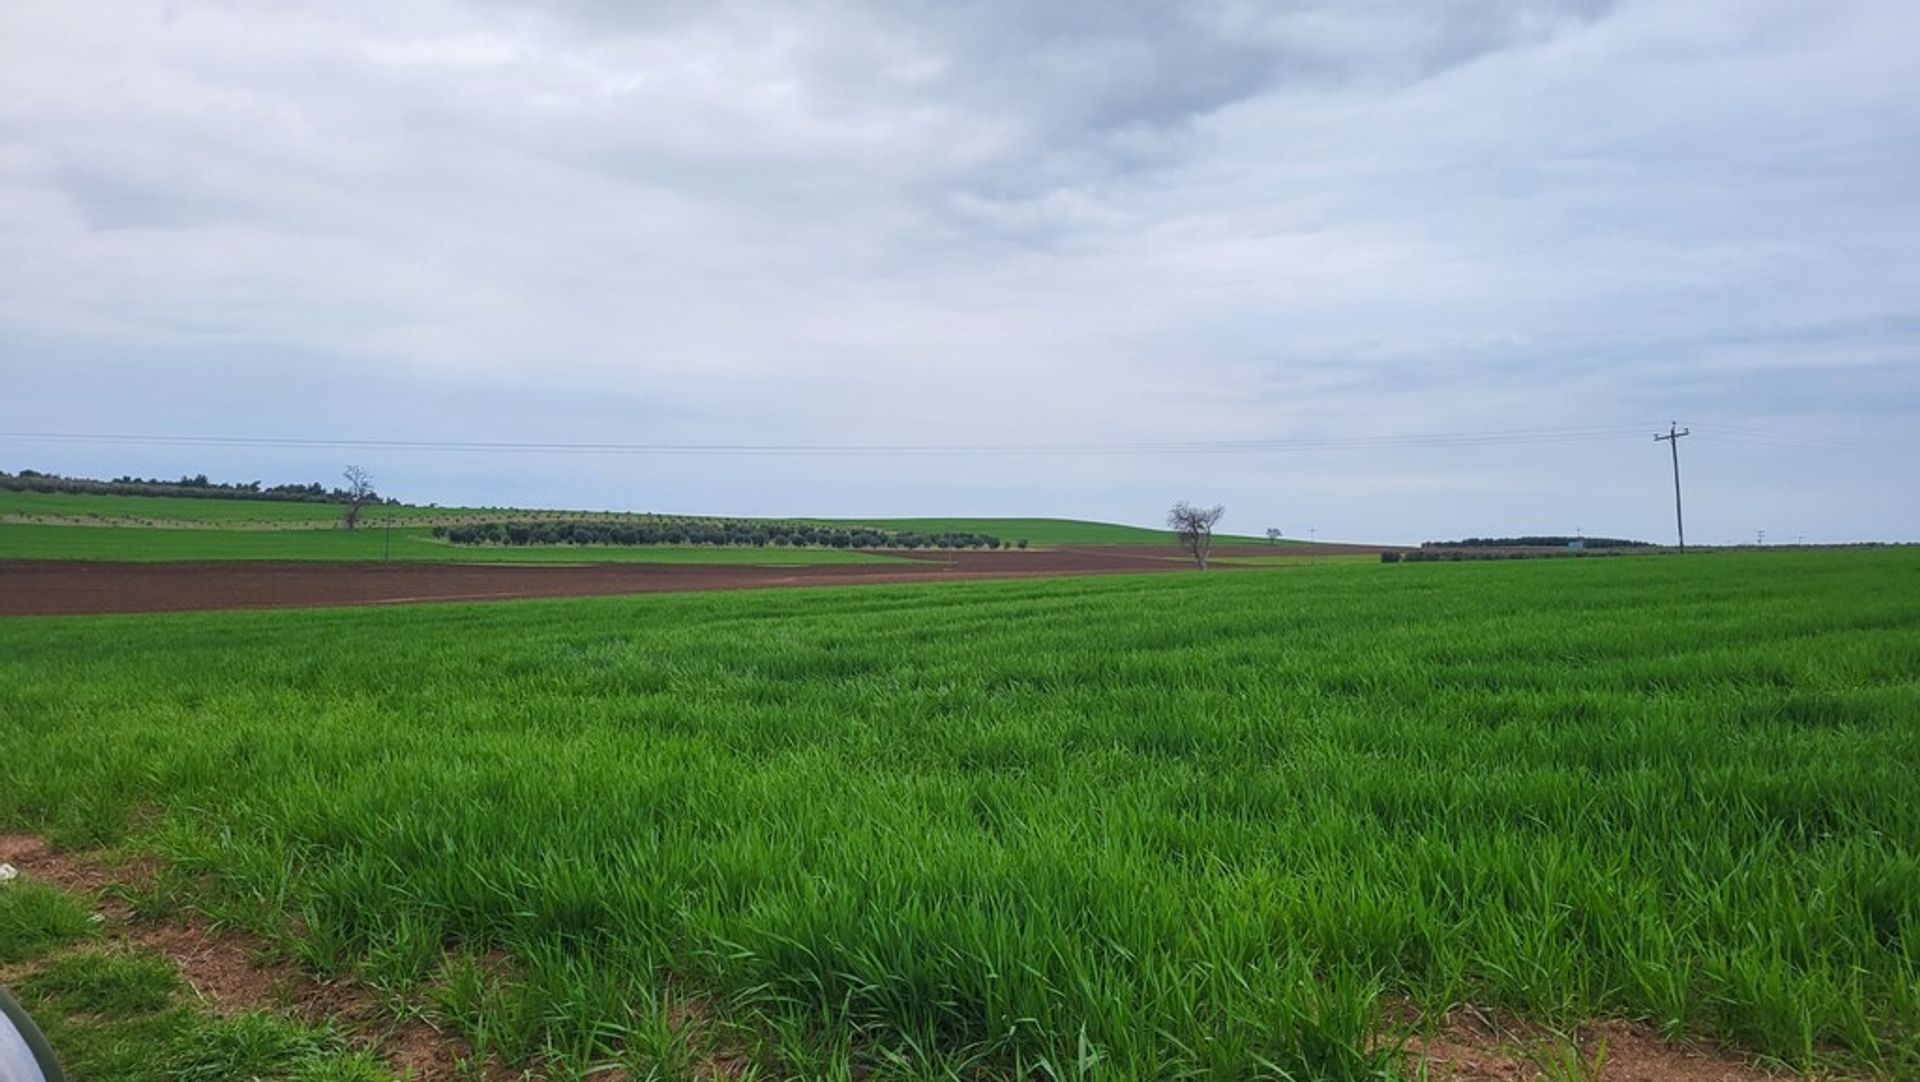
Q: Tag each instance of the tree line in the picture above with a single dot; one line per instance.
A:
(1467, 555)
(1532, 541)
(746, 532)
(196, 485)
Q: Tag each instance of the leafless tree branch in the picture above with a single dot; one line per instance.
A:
(359, 494)
(1194, 527)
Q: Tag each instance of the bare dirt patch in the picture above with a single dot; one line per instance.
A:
(223, 967)
(1472, 1045)
(31, 854)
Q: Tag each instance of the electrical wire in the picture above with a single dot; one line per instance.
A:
(1831, 441)
(1718, 433)
(1337, 443)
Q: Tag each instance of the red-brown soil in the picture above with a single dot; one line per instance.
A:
(56, 587)
(1472, 1045)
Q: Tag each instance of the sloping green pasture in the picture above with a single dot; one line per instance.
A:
(61, 508)
(1225, 826)
(203, 511)
(146, 544)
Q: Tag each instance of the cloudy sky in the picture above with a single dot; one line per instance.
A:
(1035, 258)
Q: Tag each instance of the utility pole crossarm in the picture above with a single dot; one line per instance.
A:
(1672, 438)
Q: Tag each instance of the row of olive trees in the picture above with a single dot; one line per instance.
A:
(717, 531)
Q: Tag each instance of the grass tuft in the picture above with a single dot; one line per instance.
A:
(110, 985)
(36, 918)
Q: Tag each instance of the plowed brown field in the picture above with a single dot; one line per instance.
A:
(67, 587)
(44, 587)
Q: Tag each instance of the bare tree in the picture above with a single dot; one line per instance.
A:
(1194, 527)
(359, 494)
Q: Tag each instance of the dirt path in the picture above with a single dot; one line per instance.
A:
(66, 587)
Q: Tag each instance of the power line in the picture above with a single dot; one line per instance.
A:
(1716, 433)
(1346, 443)
(1825, 441)
(1754, 430)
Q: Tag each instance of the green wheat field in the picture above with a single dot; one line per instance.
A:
(1245, 824)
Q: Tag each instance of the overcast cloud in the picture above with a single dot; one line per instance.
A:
(992, 223)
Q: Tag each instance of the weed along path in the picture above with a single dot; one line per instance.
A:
(68, 587)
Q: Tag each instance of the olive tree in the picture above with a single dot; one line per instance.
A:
(1194, 527)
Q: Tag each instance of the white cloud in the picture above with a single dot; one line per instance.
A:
(1000, 223)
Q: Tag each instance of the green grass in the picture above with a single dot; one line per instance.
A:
(122, 1016)
(1216, 826)
(36, 541)
(1037, 531)
(187, 1044)
(210, 512)
(35, 918)
(114, 985)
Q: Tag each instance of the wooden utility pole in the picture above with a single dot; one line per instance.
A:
(1673, 441)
